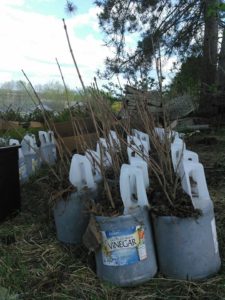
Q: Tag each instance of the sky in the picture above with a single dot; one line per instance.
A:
(32, 36)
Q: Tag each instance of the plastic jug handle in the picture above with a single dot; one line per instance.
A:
(83, 171)
(142, 165)
(44, 138)
(141, 192)
(125, 187)
(196, 171)
(201, 183)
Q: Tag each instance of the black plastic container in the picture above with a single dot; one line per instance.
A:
(9, 182)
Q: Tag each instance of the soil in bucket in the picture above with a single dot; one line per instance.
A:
(126, 256)
(187, 247)
(71, 217)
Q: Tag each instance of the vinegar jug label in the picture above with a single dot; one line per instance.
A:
(123, 247)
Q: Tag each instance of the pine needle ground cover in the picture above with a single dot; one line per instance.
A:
(34, 265)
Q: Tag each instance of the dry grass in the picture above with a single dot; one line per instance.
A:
(34, 265)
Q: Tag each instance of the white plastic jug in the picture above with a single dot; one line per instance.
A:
(103, 152)
(114, 140)
(94, 159)
(175, 135)
(34, 140)
(80, 174)
(31, 153)
(46, 148)
(135, 148)
(43, 137)
(53, 143)
(132, 188)
(22, 166)
(143, 166)
(190, 155)
(178, 141)
(14, 142)
(36, 149)
(161, 133)
(3, 141)
(179, 153)
(194, 183)
(144, 138)
(28, 144)
(177, 150)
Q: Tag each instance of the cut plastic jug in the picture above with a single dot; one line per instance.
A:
(80, 174)
(114, 140)
(179, 153)
(94, 159)
(53, 143)
(132, 188)
(22, 166)
(27, 144)
(176, 155)
(187, 248)
(36, 148)
(162, 133)
(127, 255)
(135, 148)
(3, 141)
(194, 183)
(71, 218)
(174, 134)
(103, 151)
(178, 140)
(144, 138)
(46, 148)
(190, 155)
(30, 152)
(71, 215)
(141, 164)
(179, 143)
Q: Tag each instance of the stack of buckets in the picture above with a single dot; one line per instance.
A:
(182, 248)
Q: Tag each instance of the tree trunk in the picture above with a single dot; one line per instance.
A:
(207, 106)
(221, 66)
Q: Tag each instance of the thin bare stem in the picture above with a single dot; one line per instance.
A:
(73, 57)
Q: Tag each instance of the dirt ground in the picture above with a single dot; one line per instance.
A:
(34, 265)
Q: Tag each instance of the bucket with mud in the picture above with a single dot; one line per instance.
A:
(71, 217)
(187, 248)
